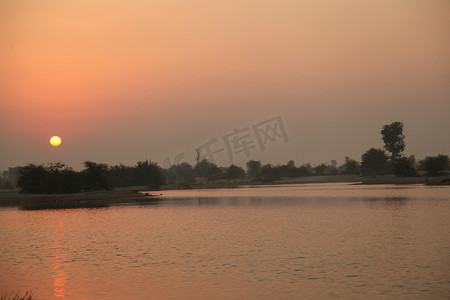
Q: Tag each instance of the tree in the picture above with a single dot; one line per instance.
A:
(53, 179)
(393, 138)
(334, 163)
(324, 169)
(184, 171)
(180, 172)
(351, 166)
(198, 155)
(8, 179)
(62, 179)
(207, 169)
(95, 176)
(120, 176)
(305, 170)
(320, 169)
(289, 170)
(374, 162)
(32, 179)
(270, 173)
(435, 165)
(149, 174)
(233, 172)
(405, 167)
(254, 168)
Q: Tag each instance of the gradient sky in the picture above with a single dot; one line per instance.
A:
(122, 81)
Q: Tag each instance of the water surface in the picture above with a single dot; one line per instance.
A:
(273, 242)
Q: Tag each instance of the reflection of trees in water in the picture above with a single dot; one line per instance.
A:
(251, 201)
(59, 261)
(394, 201)
(61, 203)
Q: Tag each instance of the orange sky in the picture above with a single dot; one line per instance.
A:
(122, 81)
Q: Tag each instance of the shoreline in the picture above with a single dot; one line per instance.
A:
(83, 199)
(378, 179)
(12, 198)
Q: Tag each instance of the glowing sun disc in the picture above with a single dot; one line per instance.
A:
(55, 141)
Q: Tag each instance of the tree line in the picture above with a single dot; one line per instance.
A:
(56, 178)
(59, 178)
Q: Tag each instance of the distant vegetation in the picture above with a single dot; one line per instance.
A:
(435, 165)
(9, 178)
(59, 178)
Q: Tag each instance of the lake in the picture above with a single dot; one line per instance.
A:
(309, 241)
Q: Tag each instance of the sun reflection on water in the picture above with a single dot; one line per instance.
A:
(59, 261)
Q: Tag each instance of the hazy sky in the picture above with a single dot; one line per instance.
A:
(122, 81)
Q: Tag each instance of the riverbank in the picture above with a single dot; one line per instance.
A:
(84, 199)
(379, 179)
(138, 194)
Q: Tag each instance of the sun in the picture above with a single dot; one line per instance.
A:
(55, 141)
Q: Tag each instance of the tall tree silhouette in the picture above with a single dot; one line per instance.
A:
(393, 138)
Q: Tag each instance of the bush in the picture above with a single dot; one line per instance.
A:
(435, 165)
(53, 179)
(374, 162)
(254, 168)
(404, 167)
(270, 173)
(208, 170)
(351, 166)
(180, 172)
(95, 176)
(233, 172)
